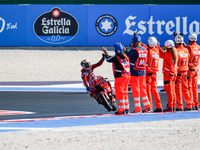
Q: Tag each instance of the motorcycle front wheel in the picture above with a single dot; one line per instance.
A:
(114, 106)
(105, 102)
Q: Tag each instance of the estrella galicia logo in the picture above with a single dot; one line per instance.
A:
(56, 26)
(106, 25)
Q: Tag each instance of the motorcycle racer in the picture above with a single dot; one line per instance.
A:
(87, 73)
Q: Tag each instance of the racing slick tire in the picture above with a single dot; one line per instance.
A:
(105, 102)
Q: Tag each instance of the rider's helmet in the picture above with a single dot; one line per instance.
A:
(118, 48)
(85, 64)
(169, 44)
(179, 39)
(152, 41)
(192, 37)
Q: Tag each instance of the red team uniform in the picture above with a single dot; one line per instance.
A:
(180, 77)
(194, 50)
(121, 72)
(138, 60)
(151, 69)
(170, 71)
(181, 86)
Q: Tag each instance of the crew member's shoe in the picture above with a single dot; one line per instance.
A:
(124, 112)
(196, 108)
(188, 109)
(163, 90)
(158, 110)
(149, 110)
(127, 111)
(117, 113)
(178, 109)
(137, 112)
(168, 109)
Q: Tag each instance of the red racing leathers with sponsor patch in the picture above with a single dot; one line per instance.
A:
(121, 71)
(181, 86)
(151, 79)
(88, 76)
(170, 72)
(194, 51)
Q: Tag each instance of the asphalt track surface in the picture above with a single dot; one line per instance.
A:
(55, 104)
(53, 110)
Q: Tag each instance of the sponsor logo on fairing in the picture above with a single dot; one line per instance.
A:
(106, 25)
(56, 26)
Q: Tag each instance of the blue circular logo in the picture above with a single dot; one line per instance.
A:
(106, 25)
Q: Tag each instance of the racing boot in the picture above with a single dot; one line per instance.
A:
(98, 101)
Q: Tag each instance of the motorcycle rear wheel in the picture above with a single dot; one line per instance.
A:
(105, 102)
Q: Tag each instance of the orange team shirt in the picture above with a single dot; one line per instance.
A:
(152, 60)
(142, 44)
(183, 59)
(194, 51)
(168, 61)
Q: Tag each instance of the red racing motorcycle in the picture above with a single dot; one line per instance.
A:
(102, 91)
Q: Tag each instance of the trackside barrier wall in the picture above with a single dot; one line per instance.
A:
(100, 2)
(94, 25)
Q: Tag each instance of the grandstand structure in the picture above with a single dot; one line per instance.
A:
(179, 2)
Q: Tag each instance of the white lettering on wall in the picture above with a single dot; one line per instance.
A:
(3, 24)
(185, 25)
(196, 24)
(142, 27)
(169, 26)
(150, 23)
(180, 25)
(11, 26)
(128, 25)
(159, 26)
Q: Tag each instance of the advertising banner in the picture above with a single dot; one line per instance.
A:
(109, 24)
(166, 19)
(56, 25)
(12, 25)
(94, 25)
